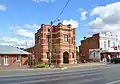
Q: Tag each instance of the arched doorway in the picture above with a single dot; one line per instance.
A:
(65, 57)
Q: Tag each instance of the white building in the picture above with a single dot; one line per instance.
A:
(108, 40)
(109, 46)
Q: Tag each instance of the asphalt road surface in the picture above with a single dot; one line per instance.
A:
(109, 74)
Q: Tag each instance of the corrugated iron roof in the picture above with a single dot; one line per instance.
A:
(11, 50)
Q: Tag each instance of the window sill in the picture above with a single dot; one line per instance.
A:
(65, 42)
(6, 64)
(17, 60)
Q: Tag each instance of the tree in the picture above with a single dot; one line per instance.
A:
(55, 52)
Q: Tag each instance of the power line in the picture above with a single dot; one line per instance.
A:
(63, 9)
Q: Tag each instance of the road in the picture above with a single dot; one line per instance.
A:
(109, 74)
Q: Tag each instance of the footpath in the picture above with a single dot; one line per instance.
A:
(64, 66)
(83, 65)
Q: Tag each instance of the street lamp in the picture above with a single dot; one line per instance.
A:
(50, 43)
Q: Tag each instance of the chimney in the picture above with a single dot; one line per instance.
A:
(84, 37)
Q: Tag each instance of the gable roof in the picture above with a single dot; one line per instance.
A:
(11, 50)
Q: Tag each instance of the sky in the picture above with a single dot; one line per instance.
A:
(20, 19)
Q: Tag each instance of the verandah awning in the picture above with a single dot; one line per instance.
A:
(110, 51)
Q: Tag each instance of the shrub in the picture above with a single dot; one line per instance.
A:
(46, 63)
(40, 66)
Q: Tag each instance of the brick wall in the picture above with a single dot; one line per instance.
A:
(88, 43)
(58, 45)
(12, 60)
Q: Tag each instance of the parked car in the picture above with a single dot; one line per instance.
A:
(115, 60)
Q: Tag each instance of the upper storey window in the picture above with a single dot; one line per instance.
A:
(105, 46)
(108, 43)
(38, 39)
(65, 38)
(48, 30)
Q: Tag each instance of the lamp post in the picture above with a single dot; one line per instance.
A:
(50, 39)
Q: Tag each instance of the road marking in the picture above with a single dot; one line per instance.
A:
(89, 80)
(55, 79)
(64, 68)
(114, 82)
(103, 67)
(55, 73)
(54, 76)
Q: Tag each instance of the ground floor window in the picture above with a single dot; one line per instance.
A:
(6, 60)
(18, 58)
(47, 55)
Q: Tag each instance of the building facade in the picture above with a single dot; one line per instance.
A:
(63, 44)
(100, 45)
(11, 56)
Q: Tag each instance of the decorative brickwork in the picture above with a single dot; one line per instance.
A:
(61, 43)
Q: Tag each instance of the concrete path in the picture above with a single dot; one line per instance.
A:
(83, 65)
(27, 68)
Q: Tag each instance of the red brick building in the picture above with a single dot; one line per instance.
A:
(11, 56)
(99, 46)
(31, 50)
(88, 43)
(63, 41)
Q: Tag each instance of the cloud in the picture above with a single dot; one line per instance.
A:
(45, 1)
(26, 30)
(16, 42)
(74, 23)
(94, 5)
(83, 15)
(8, 39)
(107, 18)
(26, 26)
(33, 26)
(3, 7)
(80, 9)
(24, 33)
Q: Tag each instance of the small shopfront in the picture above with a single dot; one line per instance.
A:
(104, 55)
(109, 54)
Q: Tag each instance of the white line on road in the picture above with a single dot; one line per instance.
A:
(61, 73)
(87, 81)
(55, 79)
(83, 70)
(103, 67)
(114, 82)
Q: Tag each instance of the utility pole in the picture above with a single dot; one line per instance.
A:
(50, 49)
(48, 37)
(50, 43)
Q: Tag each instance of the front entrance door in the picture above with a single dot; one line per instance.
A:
(6, 59)
(65, 57)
